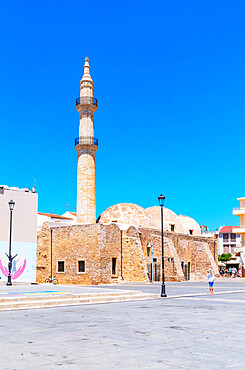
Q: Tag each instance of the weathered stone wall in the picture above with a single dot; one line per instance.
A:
(181, 248)
(134, 263)
(69, 244)
(97, 244)
(110, 247)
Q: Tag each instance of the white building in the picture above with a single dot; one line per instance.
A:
(24, 233)
(229, 242)
(54, 219)
(241, 230)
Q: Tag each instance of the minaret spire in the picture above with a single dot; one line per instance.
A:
(86, 145)
(86, 75)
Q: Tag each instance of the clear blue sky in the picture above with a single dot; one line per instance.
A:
(169, 78)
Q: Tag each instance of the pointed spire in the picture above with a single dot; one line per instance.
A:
(86, 75)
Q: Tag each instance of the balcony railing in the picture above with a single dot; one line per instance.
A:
(86, 140)
(87, 100)
(239, 209)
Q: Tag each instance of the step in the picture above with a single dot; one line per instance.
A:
(61, 295)
(72, 301)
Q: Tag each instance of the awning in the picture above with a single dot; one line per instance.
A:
(233, 262)
(221, 264)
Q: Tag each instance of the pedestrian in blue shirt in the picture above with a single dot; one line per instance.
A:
(211, 279)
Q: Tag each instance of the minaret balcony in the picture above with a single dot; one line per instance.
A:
(84, 102)
(84, 141)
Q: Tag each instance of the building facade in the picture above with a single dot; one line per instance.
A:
(229, 242)
(240, 212)
(24, 233)
(52, 218)
(97, 253)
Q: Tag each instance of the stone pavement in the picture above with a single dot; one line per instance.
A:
(173, 288)
(205, 332)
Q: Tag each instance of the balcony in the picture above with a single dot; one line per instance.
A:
(86, 101)
(238, 211)
(86, 140)
(239, 230)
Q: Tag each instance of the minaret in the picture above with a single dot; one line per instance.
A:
(86, 145)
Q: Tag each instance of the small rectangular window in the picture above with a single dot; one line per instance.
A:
(81, 266)
(172, 227)
(225, 236)
(191, 232)
(114, 266)
(226, 249)
(61, 266)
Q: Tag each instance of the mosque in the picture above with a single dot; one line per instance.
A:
(115, 247)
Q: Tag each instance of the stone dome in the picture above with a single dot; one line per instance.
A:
(127, 214)
(169, 218)
(188, 224)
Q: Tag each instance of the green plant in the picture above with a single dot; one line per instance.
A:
(225, 257)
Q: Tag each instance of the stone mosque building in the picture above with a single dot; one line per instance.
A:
(115, 247)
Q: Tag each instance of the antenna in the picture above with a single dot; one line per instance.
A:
(34, 189)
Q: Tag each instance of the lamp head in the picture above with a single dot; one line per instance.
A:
(161, 200)
(11, 205)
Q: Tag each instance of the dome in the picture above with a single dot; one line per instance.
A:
(127, 214)
(188, 224)
(169, 218)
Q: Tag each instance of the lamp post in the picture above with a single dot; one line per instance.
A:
(161, 200)
(11, 208)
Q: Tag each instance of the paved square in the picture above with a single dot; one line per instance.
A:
(205, 332)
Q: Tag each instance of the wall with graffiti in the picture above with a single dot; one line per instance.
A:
(24, 261)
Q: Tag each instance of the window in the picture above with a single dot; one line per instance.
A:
(81, 266)
(61, 266)
(191, 232)
(225, 237)
(182, 265)
(226, 249)
(233, 237)
(172, 227)
(114, 266)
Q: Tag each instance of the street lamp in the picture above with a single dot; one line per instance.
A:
(11, 208)
(161, 200)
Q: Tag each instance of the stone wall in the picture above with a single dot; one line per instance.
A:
(134, 262)
(179, 251)
(95, 244)
(98, 244)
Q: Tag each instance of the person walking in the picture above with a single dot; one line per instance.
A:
(211, 279)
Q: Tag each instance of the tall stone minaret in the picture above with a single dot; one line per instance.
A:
(86, 145)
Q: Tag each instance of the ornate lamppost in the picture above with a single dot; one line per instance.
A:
(161, 200)
(11, 208)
